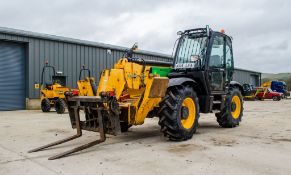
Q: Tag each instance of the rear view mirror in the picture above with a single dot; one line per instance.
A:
(195, 58)
(207, 30)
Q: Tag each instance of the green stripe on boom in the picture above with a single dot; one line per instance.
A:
(162, 71)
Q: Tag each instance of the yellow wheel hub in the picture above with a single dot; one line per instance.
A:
(189, 105)
(235, 107)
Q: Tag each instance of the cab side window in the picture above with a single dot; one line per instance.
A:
(229, 60)
(228, 55)
(217, 53)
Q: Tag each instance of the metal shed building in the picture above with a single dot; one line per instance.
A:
(247, 76)
(23, 53)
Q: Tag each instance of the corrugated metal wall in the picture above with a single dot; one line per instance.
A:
(67, 57)
(244, 76)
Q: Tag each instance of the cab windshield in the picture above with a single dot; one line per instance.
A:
(190, 52)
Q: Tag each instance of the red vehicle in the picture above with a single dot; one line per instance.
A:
(267, 93)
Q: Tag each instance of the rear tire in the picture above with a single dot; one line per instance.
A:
(179, 113)
(45, 105)
(232, 113)
(275, 98)
(124, 126)
(60, 106)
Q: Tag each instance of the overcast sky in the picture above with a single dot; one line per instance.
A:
(261, 29)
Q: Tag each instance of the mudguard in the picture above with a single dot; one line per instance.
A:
(237, 85)
(180, 81)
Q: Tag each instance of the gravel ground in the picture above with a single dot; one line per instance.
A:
(260, 145)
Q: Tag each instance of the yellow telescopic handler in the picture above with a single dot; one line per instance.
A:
(199, 80)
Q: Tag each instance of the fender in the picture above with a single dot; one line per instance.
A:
(180, 81)
(237, 85)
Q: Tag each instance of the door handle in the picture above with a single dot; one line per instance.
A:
(218, 69)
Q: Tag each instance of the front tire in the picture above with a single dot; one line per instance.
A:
(60, 106)
(45, 105)
(179, 113)
(232, 113)
(124, 126)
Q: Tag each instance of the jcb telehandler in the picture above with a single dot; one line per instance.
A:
(52, 90)
(198, 80)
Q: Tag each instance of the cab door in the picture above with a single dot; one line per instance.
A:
(216, 64)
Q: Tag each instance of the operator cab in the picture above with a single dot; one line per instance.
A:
(204, 60)
(208, 52)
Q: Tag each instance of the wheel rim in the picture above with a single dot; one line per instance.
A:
(235, 112)
(187, 122)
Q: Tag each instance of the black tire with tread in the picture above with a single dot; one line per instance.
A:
(276, 98)
(60, 106)
(170, 111)
(124, 126)
(224, 118)
(45, 105)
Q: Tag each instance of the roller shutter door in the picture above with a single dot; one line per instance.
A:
(12, 76)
